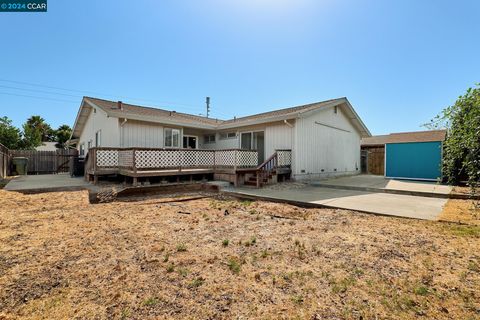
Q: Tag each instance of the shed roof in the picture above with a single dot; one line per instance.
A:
(402, 137)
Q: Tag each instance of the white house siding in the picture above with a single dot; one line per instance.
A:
(278, 136)
(98, 120)
(142, 134)
(319, 147)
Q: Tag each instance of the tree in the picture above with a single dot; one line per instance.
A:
(62, 134)
(9, 135)
(36, 131)
(461, 154)
(38, 124)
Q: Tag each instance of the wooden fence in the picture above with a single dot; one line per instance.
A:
(375, 158)
(46, 162)
(4, 154)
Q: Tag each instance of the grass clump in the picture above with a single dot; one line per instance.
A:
(150, 302)
(166, 257)
(225, 242)
(197, 282)
(298, 299)
(246, 203)
(182, 271)
(170, 268)
(234, 265)
(343, 285)
(181, 247)
(251, 242)
(421, 290)
(465, 230)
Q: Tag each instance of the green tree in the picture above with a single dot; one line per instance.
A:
(10, 136)
(461, 156)
(36, 131)
(37, 123)
(62, 134)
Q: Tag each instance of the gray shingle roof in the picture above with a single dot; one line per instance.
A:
(131, 109)
(149, 114)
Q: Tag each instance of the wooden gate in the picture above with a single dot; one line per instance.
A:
(46, 162)
(375, 159)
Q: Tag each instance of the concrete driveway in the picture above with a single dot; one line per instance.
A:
(427, 208)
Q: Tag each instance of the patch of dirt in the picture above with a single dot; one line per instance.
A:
(460, 211)
(217, 258)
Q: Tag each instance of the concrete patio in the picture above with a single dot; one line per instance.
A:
(425, 208)
(373, 183)
(47, 183)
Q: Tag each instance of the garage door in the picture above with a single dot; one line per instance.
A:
(413, 160)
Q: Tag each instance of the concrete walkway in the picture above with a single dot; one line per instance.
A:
(374, 183)
(47, 183)
(426, 208)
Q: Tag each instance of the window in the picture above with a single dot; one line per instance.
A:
(172, 138)
(82, 149)
(335, 109)
(209, 138)
(89, 145)
(98, 138)
(228, 135)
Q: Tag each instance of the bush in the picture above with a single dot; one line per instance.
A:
(461, 154)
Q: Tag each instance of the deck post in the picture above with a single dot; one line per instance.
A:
(135, 181)
(235, 160)
(134, 164)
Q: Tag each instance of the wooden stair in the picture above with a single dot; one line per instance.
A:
(252, 180)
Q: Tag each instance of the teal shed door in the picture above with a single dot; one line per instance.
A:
(413, 160)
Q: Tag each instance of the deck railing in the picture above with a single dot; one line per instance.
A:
(152, 159)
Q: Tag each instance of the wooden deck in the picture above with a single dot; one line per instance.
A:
(233, 165)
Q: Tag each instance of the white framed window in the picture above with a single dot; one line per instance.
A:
(228, 135)
(209, 138)
(172, 138)
(82, 149)
(89, 145)
(98, 138)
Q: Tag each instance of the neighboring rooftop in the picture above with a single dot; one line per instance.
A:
(47, 146)
(416, 136)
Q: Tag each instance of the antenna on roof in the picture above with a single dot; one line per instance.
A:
(207, 100)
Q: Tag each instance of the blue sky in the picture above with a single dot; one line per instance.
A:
(398, 62)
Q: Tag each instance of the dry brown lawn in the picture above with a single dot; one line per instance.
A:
(63, 258)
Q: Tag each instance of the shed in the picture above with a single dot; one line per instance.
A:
(406, 155)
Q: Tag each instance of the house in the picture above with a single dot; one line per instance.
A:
(47, 146)
(317, 140)
(407, 155)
